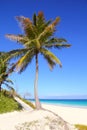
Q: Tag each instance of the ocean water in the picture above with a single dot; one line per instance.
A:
(65, 102)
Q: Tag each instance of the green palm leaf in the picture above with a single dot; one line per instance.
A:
(9, 87)
(57, 45)
(9, 81)
(51, 63)
(56, 40)
(23, 62)
(15, 54)
(19, 38)
(27, 26)
(51, 55)
(4, 70)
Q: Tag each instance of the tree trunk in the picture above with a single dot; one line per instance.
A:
(0, 88)
(37, 102)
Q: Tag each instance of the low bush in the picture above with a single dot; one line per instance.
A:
(7, 103)
(81, 127)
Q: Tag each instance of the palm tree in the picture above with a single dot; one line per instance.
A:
(4, 72)
(37, 39)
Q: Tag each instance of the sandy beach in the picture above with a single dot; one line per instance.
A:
(72, 115)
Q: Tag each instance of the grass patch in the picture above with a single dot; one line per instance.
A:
(7, 103)
(81, 127)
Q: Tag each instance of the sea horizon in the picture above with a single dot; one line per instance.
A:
(64, 102)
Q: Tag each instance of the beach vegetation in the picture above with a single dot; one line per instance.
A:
(81, 127)
(48, 123)
(4, 73)
(7, 102)
(38, 38)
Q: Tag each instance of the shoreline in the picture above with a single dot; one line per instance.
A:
(66, 105)
(62, 104)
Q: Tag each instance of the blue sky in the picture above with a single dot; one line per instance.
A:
(71, 80)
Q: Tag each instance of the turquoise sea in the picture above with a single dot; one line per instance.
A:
(65, 102)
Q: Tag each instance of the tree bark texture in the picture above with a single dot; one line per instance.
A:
(37, 102)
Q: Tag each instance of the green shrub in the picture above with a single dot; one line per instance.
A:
(7, 103)
(81, 127)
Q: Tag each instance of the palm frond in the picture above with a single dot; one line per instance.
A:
(11, 69)
(9, 81)
(48, 31)
(27, 26)
(3, 67)
(56, 21)
(30, 43)
(55, 40)
(52, 26)
(40, 18)
(20, 19)
(22, 59)
(51, 55)
(14, 37)
(24, 21)
(45, 34)
(4, 70)
(40, 23)
(15, 54)
(23, 62)
(51, 63)
(57, 45)
(3, 77)
(9, 87)
(19, 38)
(26, 63)
(34, 19)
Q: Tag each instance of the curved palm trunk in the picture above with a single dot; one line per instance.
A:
(37, 102)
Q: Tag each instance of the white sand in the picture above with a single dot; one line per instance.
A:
(72, 115)
(69, 114)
